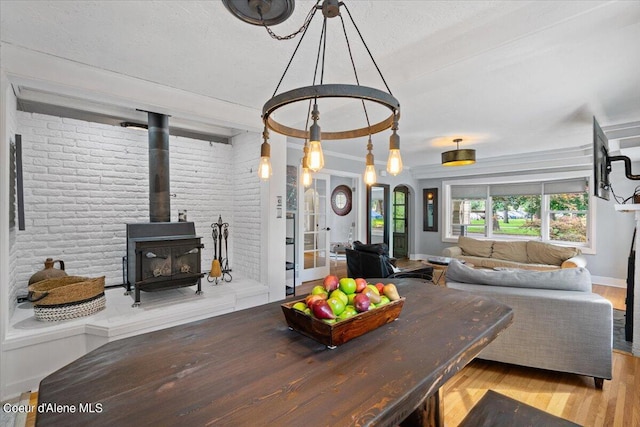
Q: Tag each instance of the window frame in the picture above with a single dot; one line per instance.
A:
(587, 247)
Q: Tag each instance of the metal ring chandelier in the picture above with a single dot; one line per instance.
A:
(255, 12)
(331, 91)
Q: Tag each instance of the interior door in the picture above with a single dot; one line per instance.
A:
(314, 229)
(399, 209)
(378, 217)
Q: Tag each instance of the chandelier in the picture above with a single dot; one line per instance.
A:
(271, 12)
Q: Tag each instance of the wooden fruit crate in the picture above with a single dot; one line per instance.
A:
(335, 334)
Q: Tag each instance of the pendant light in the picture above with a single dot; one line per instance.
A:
(315, 160)
(264, 168)
(370, 177)
(458, 157)
(394, 163)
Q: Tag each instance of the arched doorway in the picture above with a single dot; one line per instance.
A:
(400, 221)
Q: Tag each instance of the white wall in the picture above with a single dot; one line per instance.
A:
(7, 234)
(341, 225)
(614, 231)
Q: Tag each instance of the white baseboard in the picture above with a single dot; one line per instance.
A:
(609, 281)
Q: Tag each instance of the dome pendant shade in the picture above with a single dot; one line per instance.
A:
(261, 12)
(458, 157)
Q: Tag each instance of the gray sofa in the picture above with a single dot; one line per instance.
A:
(559, 324)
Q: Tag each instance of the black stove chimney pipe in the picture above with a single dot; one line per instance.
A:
(159, 196)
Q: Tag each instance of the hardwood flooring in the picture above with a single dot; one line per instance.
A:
(569, 396)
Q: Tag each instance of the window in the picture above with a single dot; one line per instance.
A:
(555, 211)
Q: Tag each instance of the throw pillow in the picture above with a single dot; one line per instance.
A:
(510, 251)
(570, 279)
(474, 247)
(545, 253)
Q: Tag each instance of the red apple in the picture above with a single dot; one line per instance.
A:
(361, 302)
(360, 284)
(330, 283)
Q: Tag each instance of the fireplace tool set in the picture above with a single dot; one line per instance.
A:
(220, 270)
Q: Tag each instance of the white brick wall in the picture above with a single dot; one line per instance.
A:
(246, 206)
(84, 181)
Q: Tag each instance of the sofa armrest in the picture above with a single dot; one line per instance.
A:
(452, 251)
(575, 262)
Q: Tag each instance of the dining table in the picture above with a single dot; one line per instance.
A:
(248, 368)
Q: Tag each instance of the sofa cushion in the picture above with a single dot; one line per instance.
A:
(545, 253)
(480, 262)
(572, 279)
(475, 247)
(510, 251)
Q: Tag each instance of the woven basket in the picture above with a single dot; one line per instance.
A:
(67, 297)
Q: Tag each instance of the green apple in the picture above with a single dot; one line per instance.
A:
(347, 285)
(348, 312)
(339, 294)
(337, 305)
(350, 298)
(319, 290)
(300, 306)
(384, 300)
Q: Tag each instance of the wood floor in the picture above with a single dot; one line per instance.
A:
(572, 397)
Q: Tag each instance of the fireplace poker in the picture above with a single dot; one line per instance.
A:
(226, 270)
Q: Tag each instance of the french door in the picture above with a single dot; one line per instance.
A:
(314, 202)
(399, 209)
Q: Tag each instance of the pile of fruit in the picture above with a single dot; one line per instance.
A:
(339, 299)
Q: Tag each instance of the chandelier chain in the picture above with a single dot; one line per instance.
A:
(367, 48)
(302, 29)
(312, 13)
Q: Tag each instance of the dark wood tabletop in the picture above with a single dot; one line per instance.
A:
(247, 368)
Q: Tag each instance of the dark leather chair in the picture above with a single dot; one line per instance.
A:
(372, 261)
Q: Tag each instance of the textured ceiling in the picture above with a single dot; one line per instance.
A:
(507, 77)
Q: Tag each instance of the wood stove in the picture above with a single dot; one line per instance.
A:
(162, 255)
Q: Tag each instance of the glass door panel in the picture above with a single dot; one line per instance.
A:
(314, 229)
(400, 224)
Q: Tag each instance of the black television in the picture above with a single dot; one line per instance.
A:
(602, 163)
